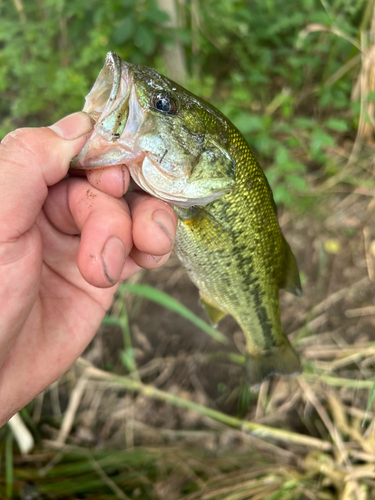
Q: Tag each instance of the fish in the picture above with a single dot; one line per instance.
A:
(185, 152)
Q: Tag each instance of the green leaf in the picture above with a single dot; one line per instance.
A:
(169, 302)
(127, 355)
(337, 125)
(249, 123)
(128, 3)
(302, 122)
(144, 39)
(297, 182)
(281, 156)
(124, 31)
(156, 15)
(282, 194)
(320, 139)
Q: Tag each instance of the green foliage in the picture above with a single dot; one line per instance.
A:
(143, 473)
(127, 354)
(255, 60)
(51, 55)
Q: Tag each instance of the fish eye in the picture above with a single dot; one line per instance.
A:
(164, 103)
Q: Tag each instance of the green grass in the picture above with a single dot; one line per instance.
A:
(165, 300)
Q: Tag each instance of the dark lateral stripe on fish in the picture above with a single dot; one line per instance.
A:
(264, 321)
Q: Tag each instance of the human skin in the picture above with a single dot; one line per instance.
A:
(66, 243)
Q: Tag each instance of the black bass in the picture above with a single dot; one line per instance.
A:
(184, 151)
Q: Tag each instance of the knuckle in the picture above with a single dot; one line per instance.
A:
(23, 144)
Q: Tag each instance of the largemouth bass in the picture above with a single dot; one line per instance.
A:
(184, 151)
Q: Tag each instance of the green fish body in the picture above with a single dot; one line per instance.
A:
(186, 152)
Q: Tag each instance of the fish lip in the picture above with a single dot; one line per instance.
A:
(113, 63)
(110, 72)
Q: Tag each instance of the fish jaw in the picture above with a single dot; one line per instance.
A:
(106, 88)
(177, 191)
(113, 104)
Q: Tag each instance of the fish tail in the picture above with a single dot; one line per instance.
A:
(283, 360)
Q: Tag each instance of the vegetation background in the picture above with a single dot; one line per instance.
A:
(157, 408)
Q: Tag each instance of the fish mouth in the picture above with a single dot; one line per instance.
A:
(104, 92)
(108, 104)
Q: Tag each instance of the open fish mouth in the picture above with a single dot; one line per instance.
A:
(116, 116)
(106, 88)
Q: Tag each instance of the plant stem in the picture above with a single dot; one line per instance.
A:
(258, 430)
(339, 382)
(9, 465)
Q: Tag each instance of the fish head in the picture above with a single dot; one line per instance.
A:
(173, 143)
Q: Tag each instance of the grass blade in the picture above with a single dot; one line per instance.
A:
(127, 354)
(369, 402)
(112, 320)
(172, 304)
(9, 465)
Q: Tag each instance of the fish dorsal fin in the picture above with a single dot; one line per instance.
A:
(291, 281)
(214, 313)
(283, 360)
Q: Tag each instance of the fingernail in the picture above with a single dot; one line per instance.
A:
(73, 126)
(123, 168)
(156, 258)
(165, 222)
(113, 259)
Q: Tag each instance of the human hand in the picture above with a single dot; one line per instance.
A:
(65, 245)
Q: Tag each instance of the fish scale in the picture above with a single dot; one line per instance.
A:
(186, 152)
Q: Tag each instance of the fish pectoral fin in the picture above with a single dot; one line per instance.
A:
(202, 191)
(212, 177)
(214, 313)
(282, 361)
(291, 282)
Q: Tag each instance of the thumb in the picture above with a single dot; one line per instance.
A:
(31, 159)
